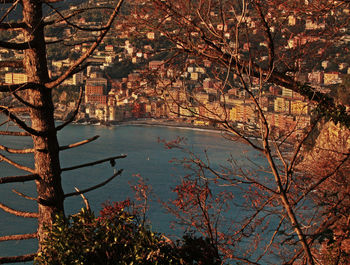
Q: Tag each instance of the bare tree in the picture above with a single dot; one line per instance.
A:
(26, 39)
(248, 48)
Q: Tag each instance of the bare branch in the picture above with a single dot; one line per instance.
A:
(325, 102)
(14, 133)
(11, 179)
(16, 46)
(9, 10)
(60, 127)
(257, 212)
(26, 103)
(79, 143)
(19, 122)
(63, 18)
(271, 240)
(80, 68)
(22, 258)
(267, 32)
(245, 260)
(4, 158)
(78, 62)
(17, 87)
(13, 26)
(18, 213)
(4, 122)
(17, 151)
(50, 22)
(326, 224)
(231, 129)
(94, 187)
(8, 1)
(302, 141)
(75, 13)
(287, 205)
(23, 195)
(17, 237)
(94, 163)
(87, 204)
(323, 179)
(19, 110)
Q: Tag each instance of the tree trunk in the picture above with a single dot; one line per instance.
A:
(46, 155)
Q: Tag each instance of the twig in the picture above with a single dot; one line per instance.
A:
(323, 179)
(9, 133)
(16, 151)
(19, 122)
(63, 18)
(11, 179)
(94, 163)
(4, 158)
(22, 258)
(60, 127)
(8, 11)
(65, 147)
(24, 196)
(94, 187)
(17, 237)
(18, 213)
(87, 204)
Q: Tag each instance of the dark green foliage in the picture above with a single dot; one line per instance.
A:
(58, 52)
(84, 239)
(197, 250)
(118, 237)
(72, 94)
(54, 32)
(326, 235)
(343, 91)
(121, 69)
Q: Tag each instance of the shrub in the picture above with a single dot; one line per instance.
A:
(114, 238)
(117, 237)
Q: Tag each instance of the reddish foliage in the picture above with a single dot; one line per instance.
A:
(112, 210)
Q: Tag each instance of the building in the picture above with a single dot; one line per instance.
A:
(96, 91)
(331, 78)
(282, 105)
(16, 78)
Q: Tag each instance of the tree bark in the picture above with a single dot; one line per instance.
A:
(46, 148)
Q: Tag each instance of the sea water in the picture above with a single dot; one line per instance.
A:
(146, 157)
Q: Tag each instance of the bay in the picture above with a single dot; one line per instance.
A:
(145, 156)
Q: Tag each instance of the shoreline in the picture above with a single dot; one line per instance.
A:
(169, 124)
(151, 122)
(156, 123)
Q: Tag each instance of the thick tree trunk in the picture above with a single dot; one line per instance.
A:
(46, 155)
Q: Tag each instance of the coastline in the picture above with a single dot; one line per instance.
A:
(151, 122)
(169, 123)
(186, 126)
(147, 122)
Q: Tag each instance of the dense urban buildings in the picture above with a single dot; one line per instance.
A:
(120, 84)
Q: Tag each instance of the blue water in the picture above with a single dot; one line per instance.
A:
(145, 156)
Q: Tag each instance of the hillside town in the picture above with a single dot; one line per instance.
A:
(252, 97)
(115, 87)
